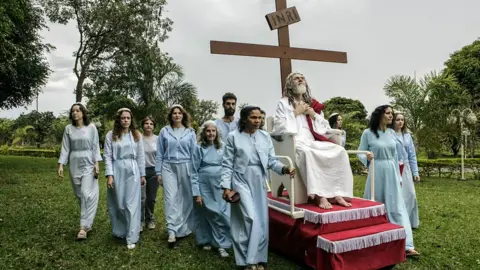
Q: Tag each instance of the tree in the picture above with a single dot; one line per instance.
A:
(42, 123)
(23, 134)
(147, 79)
(23, 67)
(108, 29)
(6, 130)
(444, 95)
(204, 111)
(410, 96)
(344, 105)
(464, 64)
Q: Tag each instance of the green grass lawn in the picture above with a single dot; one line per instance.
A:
(39, 218)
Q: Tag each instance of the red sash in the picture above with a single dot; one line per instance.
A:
(317, 107)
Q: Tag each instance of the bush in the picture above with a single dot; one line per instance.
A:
(447, 168)
(46, 153)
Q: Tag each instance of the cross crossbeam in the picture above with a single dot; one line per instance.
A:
(283, 51)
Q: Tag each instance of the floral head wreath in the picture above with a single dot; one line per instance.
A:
(124, 109)
(176, 106)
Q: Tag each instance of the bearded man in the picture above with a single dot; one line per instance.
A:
(323, 164)
(228, 122)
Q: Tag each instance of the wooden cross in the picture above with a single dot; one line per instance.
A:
(283, 51)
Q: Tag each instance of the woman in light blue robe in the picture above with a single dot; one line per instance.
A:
(80, 148)
(410, 169)
(248, 156)
(175, 147)
(212, 225)
(384, 147)
(125, 171)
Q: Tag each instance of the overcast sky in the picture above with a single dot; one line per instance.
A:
(381, 38)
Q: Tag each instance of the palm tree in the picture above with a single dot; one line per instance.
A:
(21, 135)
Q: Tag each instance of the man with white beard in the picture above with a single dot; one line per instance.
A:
(323, 164)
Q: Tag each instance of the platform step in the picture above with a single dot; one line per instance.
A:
(363, 213)
(360, 238)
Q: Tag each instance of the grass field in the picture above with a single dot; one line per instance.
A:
(39, 222)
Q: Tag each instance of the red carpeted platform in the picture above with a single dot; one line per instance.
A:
(340, 238)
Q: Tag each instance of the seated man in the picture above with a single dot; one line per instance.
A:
(323, 164)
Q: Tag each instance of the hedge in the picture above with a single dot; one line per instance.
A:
(448, 168)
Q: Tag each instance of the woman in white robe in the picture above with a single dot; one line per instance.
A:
(410, 169)
(125, 172)
(80, 148)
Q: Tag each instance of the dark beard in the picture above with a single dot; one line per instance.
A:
(229, 112)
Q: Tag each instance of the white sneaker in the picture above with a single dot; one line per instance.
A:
(151, 225)
(131, 246)
(207, 247)
(223, 253)
(171, 238)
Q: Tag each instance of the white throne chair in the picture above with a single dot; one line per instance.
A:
(284, 146)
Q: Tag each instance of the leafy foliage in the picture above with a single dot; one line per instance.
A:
(109, 29)
(464, 64)
(23, 67)
(343, 105)
(41, 122)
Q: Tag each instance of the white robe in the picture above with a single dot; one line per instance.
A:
(324, 166)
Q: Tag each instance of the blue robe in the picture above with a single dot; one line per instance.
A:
(387, 177)
(174, 164)
(212, 226)
(246, 161)
(226, 128)
(409, 171)
(125, 161)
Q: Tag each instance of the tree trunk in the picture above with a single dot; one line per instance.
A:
(79, 88)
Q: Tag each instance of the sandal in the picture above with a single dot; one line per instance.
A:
(82, 234)
(412, 253)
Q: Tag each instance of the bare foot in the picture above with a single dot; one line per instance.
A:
(342, 202)
(324, 204)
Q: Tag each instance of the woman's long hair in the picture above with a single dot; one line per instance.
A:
(117, 126)
(393, 125)
(376, 118)
(332, 120)
(82, 108)
(202, 135)
(244, 114)
(186, 120)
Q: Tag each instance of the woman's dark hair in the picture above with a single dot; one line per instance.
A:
(117, 127)
(394, 122)
(148, 118)
(186, 120)
(332, 120)
(376, 118)
(82, 108)
(244, 114)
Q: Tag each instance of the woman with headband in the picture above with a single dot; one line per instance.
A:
(212, 223)
(125, 172)
(175, 147)
(81, 149)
